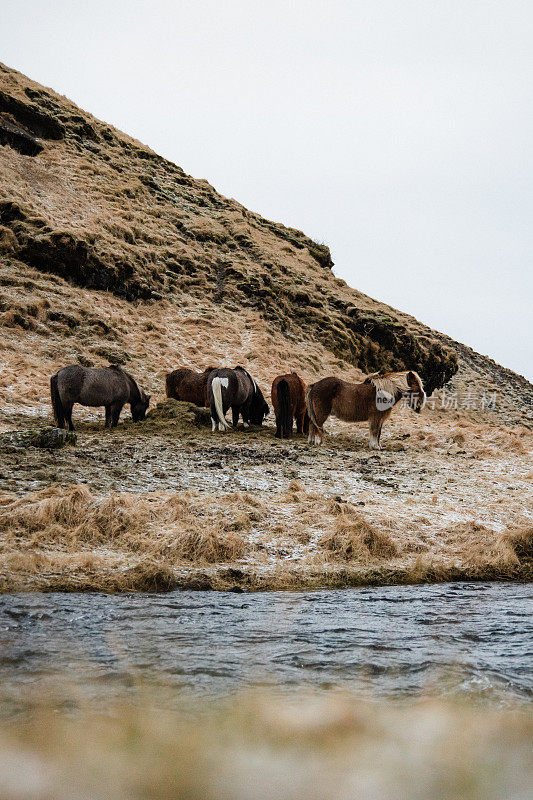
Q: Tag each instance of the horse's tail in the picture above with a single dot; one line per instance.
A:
(284, 408)
(310, 409)
(216, 403)
(57, 405)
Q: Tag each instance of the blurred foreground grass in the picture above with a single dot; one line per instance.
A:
(264, 746)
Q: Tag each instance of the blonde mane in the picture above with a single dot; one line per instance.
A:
(393, 382)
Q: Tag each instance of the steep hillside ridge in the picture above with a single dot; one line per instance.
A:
(84, 201)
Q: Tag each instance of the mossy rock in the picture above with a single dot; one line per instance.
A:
(48, 438)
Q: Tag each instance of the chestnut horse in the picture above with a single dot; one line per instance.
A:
(235, 389)
(186, 384)
(372, 400)
(288, 400)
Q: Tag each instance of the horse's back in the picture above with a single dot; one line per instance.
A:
(177, 382)
(69, 381)
(188, 385)
(235, 384)
(351, 402)
(296, 390)
(92, 387)
(327, 388)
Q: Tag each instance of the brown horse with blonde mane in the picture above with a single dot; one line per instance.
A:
(371, 400)
(288, 400)
(186, 384)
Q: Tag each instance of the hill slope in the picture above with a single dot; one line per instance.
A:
(85, 202)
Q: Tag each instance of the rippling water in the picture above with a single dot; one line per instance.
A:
(391, 641)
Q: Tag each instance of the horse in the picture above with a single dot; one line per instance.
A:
(111, 387)
(237, 389)
(186, 384)
(371, 400)
(288, 400)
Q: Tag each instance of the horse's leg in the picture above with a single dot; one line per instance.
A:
(116, 408)
(278, 428)
(245, 412)
(375, 425)
(235, 415)
(314, 436)
(107, 416)
(300, 422)
(289, 429)
(68, 416)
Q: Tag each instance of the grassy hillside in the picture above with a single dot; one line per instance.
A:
(83, 201)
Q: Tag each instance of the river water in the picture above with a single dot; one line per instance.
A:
(453, 639)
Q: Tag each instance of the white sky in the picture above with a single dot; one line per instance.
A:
(398, 132)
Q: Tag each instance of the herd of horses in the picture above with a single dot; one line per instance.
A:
(221, 389)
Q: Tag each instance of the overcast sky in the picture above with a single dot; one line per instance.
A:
(399, 132)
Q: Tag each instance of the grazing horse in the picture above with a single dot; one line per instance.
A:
(288, 399)
(235, 389)
(186, 384)
(372, 400)
(111, 387)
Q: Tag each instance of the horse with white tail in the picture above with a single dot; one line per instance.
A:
(235, 389)
(372, 400)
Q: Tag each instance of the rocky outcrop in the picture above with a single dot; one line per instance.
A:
(30, 117)
(17, 137)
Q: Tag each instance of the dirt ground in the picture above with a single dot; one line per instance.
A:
(445, 499)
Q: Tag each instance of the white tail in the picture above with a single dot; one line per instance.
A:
(216, 388)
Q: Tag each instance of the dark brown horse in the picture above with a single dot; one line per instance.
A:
(372, 400)
(235, 389)
(186, 384)
(288, 400)
(111, 387)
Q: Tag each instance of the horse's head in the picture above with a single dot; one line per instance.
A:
(140, 406)
(415, 395)
(258, 408)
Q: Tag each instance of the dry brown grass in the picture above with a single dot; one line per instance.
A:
(323, 746)
(520, 539)
(353, 538)
(168, 525)
(72, 539)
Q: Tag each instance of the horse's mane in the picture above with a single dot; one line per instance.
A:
(393, 382)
